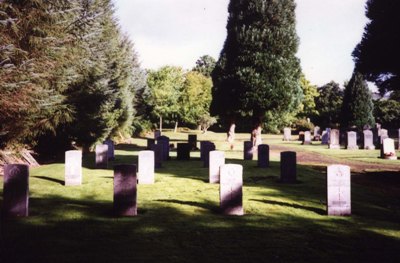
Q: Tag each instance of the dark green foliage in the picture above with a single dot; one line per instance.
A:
(377, 56)
(387, 113)
(328, 105)
(205, 65)
(257, 72)
(357, 107)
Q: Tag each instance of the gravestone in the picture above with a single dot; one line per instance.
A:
(288, 167)
(388, 150)
(231, 195)
(125, 190)
(247, 150)
(158, 155)
(316, 134)
(338, 190)
(192, 140)
(287, 134)
(334, 139)
(368, 140)
(307, 138)
(110, 151)
(352, 140)
(203, 145)
(150, 143)
(157, 134)
(102, 156)
(326, 136)
(164, 142)
(383, 135)
(183, 151)
(73, 167)
(217, 158)
(207, 148)
(16, 190)
(146, 167)
(263, 156)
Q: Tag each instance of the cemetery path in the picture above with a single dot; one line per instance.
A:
(308, 157)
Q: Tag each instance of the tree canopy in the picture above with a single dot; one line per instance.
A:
(328, 104)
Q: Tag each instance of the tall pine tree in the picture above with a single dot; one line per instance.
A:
(377, 56)
(357, 107)
(257, 72)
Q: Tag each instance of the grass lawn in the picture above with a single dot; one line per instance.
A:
(179, 221)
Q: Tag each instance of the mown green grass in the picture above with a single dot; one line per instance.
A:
(179, 219)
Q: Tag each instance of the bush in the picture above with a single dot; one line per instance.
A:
(303, 125)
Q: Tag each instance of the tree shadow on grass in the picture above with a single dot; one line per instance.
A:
(205, 205)
(308, 208)
(62, 182)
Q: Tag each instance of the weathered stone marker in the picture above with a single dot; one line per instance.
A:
(146, 167)
(73, 167)
(387, 150)
(368, 140)
(247, 150)
(263, 156)
(158, 155)
(192, 140)
(110, 151)
(383, 135)
(307, 137)
(16, 190)
(101, 156)
(288, 167)
(217, 158)
(183, 151)
(150, 143)
(164, 141)
(334, 139)
(287, 134)
(352, 140)
(316, 134)
(338, 190)
(231, 194)
(125, 190)
(208, 147)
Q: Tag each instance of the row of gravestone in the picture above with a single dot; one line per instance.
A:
(229, 176)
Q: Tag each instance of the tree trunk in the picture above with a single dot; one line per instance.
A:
(160, 125)
(176, 126)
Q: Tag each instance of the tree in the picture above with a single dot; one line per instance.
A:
(357, 106)
(387, 113)
(196, 97)
(165, 88)
(205, 65)
(377, 56)
(307, 106)
(328, 104)
(257, 74)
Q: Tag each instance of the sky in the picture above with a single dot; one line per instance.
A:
(178, 32)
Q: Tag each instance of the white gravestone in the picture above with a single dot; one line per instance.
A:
(368, 140)
(101, 156)
(334, 139)
(231, 194)
(146, 167)
(73, 167)
(383, 134)
(316, 133)
(352, 141)
(388, 150)
(307, 137)
(217, 158)
(287, 134)
(338, 190)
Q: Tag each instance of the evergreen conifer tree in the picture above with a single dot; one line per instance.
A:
(357, 107)
(257, 71)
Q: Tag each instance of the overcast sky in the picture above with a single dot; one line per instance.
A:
(178, 32)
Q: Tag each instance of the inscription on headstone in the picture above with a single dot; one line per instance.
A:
(217, 158)
(388, 151)
(231, 194)
(125, 190)
(16, 190)
(368, 140)
(73, 167)
(110, 151)
(352, 141)
(338, 190)
(101, 156)
(183, 151)
(263, 156)
(334, 139)
(288, 167)
(287, 134)
(146, 167)
(247, 150)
